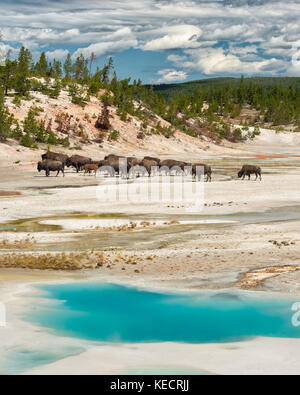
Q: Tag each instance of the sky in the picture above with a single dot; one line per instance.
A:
(161, 41)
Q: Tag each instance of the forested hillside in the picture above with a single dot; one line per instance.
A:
(170, 90)
(212, 109)
(275, 100)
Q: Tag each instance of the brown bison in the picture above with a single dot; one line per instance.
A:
(154, 159)
(51, 165)
(120, 164)
(55, 156)
(170, 165)
(148, 167)
(90, 168)
(113, 157)
(104, 166)
(115, 166)
(78, 162)
(132, 161)
(197, 171)
(247, 170)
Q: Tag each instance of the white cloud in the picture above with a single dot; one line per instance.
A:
(168, 75)
(58, 54)
(118, 41)
(260, 33)
(216, 62)
(181, 36)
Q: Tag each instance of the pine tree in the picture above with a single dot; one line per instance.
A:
(80, 69)
(42, 67)
(57, 69)
(68, 67)
(5, 119)
(33, 129)
(7, 75)
(93, 58)
(24, 68)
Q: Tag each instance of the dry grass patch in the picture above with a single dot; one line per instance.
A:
(61, 261)
(25, 244)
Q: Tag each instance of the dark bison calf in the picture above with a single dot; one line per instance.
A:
(51, 165)
(247, 170)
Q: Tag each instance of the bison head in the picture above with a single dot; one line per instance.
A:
(240, 174)
(39, 166)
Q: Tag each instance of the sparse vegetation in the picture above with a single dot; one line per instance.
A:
(200, 109)
(114, 135)
(63, 261)
(6, 119)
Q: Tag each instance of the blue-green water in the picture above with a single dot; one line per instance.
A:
(20, 360)
(115, 313)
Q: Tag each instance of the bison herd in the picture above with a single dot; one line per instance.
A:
(128, 166)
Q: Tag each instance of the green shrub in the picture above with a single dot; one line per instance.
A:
(26, 140)
(114, 135)
(17, 101)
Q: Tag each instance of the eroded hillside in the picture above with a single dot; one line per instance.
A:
(76, 124)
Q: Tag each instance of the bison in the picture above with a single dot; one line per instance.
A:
(55, 156)
(104, 166)
(207, 171)
(148, 166)
(113, 157)
(120, 164)
(91, 167)
(78, 162)
(51, 165)
(133, 162)
(154, 159)
(247, 170)
(172, 165)
(115, 166)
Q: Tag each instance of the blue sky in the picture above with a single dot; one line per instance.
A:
(161, 41)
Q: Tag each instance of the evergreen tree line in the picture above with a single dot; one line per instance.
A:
(18, 77)
(16, 74)
(278, 104)
(275, 104)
